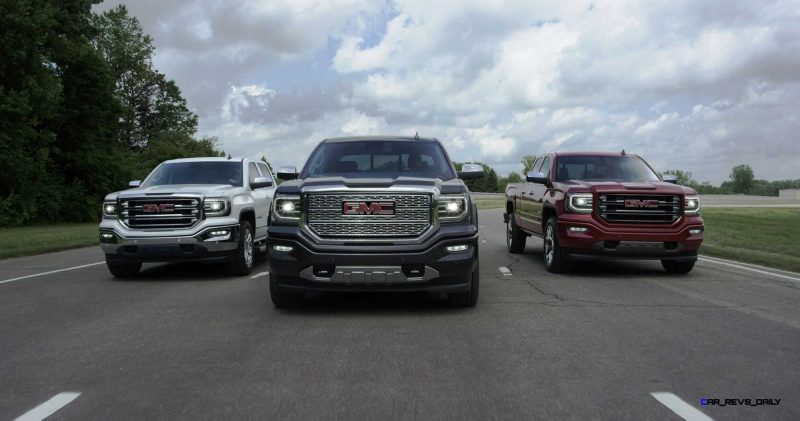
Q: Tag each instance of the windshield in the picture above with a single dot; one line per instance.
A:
(198, 172)
(604, 168)
(379, 159)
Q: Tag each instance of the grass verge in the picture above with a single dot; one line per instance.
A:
(490, 203)
(45, 238)
(764, 236)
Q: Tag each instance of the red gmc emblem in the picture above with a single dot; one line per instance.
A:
(158, 208)
(368, 208)
(634, 203)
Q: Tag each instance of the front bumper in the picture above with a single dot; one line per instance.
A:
(617, 241)
(196, 244)
(364, 267)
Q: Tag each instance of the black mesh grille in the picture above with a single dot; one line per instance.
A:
(411, 218)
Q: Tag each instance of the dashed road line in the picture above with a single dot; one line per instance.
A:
(49, 407)
(504, 270)
(680, 407)
(259, 274)
(50, 272)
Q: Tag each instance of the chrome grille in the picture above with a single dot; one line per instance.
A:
(412, 215)
(612, 209)
(172, 212)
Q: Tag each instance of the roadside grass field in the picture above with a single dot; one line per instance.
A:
(46, 238)
(490, 203)
(764, 236)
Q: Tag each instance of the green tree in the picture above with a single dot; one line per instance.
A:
(742, 178)
(30, 94)
(527, 163)
(684, 178)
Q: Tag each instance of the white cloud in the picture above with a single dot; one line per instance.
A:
(700, 86)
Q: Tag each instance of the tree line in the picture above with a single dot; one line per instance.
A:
(741, 180)
(82, 110)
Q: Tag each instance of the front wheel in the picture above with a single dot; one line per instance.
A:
(242, 262)
(554, 259)
(282, 299)
(677, 267)
(515, 238)
(123, 270)
(469, 298)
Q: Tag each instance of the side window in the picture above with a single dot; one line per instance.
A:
(253, 172)
(545, 167)
(264, 171)
(537, 164)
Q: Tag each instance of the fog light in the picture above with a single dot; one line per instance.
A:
(219, 233)
(695, 231)
(284, 249)
(457, 248)
(578, 229)
(106, 236)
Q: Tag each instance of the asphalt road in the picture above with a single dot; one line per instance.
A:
(187, 342)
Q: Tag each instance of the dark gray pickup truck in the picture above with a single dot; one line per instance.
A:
(374, 214)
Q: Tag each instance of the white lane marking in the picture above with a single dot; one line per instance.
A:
(259, 274)
(51, 272)
(679, 407)
(738, 266)
(504, 270)
(50, 407)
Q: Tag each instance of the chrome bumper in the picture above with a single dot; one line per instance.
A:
(369, 275)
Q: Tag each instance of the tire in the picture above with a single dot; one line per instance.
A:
(282, 299)
(242, 260)
(515, 238)
(123, 270)
(554, 259)
(677, 267)
(469, 298)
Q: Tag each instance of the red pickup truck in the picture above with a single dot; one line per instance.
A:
(589, 206)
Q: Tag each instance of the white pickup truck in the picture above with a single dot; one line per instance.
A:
(195, 209)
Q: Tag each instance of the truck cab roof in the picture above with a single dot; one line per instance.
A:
(380, 138)
(205, 159)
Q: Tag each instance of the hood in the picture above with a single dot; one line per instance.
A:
(343, 183)
(175, 189)
(651, 187)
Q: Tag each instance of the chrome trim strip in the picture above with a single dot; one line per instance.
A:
(369, 275)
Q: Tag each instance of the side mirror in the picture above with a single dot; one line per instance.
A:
(135, 183)
(287, 173)
(469, 171)
(260, 183)
(669, 178)
(536, 177)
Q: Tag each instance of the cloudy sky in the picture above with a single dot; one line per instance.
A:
(694, 85)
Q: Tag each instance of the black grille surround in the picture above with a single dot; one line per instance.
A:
(611, 207)
(325, 217)
(164, 212)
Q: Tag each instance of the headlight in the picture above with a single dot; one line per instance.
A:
(216, 207)
(580, 202)
(452, 208)
(286, 207)
(109, 209)
(691, 205)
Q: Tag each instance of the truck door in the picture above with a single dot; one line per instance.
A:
(536, 197)
(523, 205)
(262, 198)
